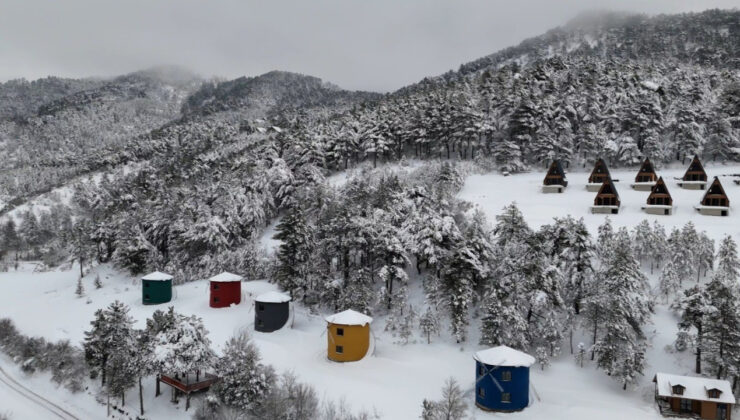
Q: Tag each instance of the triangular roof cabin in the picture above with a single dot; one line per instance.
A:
(646, 172)
(555, 175)
(695, 172)
(600, 173)
(607, 195)
(715, 195)
(659, 195)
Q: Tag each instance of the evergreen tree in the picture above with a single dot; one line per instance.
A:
(669, 281)
(620, 349)
(244, 380)
(429, 323)
(294, 253)
(694, 307)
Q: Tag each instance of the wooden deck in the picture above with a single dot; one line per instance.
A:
(189, 383)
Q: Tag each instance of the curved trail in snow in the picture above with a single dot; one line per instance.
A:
(37, 399)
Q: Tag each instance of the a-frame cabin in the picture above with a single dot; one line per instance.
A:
(659, 201)
(598, 176)
(646, 177)
(695, 177)
(555, 181)
(607, 199)
(715, 201)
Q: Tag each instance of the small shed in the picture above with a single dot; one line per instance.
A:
(659, 201)
(226, 290)
(695, 177)
(607, 199)
(156, 288)
(689, 396)
(715, 201)
(502, 379)
(348, 336)
(598, 176)
(555, 181)
(646, 177)
(271, 311)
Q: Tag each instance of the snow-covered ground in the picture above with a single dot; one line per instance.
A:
(396, 379)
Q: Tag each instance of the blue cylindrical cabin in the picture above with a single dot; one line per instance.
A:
(502, 379)
(271, 311)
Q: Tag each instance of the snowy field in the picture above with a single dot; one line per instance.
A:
(396, 379)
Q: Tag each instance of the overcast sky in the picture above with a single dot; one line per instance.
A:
(358, 44)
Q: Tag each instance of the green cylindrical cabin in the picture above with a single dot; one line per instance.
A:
(156, 288)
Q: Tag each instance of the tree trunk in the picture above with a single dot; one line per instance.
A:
(141, 397)
(123, 398)
(698, 348)
(156, 393)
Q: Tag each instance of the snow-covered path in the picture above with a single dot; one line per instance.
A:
(31, 402)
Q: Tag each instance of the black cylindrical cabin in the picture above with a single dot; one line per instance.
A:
(271, 311)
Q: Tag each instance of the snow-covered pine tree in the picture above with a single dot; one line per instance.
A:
(183, 347)
(659, 246)
(642, 237)
(294, 253)
(670, 281)
(694, 306)
(511, 226)
(605, 240)
(111, 328)
(705, 255)
(244, 379)
(429, 323)
(626, 305)
(80, 289)
(721, 328)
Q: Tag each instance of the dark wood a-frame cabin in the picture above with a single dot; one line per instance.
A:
(715, 201)
(695, 177)
(555, 181)
(659, 201)
(598, 176)
(646, 177)
(607, 199)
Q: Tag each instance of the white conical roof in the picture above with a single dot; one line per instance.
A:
(272, 297)
(157, 276)
(349, 317)
(226, 277)
(504, 356)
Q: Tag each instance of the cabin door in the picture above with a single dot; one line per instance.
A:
(721, 411)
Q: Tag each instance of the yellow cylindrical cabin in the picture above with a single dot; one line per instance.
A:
(348, 336)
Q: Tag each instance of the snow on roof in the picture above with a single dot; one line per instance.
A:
(157, 276)
(504, 356)
(349, 317)
(226, 277)
(273, 297)
(695, 388)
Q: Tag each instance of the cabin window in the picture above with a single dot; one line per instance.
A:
(339, 349)
(260, 323)
(685, 405)
(481, 392)
(506, 375)
(146, 284)
(146, 296)
(260, 307)
(340, 332)
(481, 371)
(678, 389)
(216, 299)
(215, 286)
(505, 397)
(713, 393)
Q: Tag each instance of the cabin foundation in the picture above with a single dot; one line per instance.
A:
(643, 186)
(605, 209)
(713, 210)
(553, 189)
(593, 187)
(658, 210)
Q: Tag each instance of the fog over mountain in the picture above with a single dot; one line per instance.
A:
(380, 45)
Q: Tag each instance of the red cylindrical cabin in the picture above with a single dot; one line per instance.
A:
(226, 289)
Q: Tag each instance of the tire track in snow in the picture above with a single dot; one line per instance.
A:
(37, 399)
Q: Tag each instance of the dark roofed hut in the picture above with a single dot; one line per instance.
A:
(695, 177)
(555, 181)
(271, 311)
(659, 201)
(598, 176)
(646, 177)
(156, 288)
(607, 199)
(715, 201)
